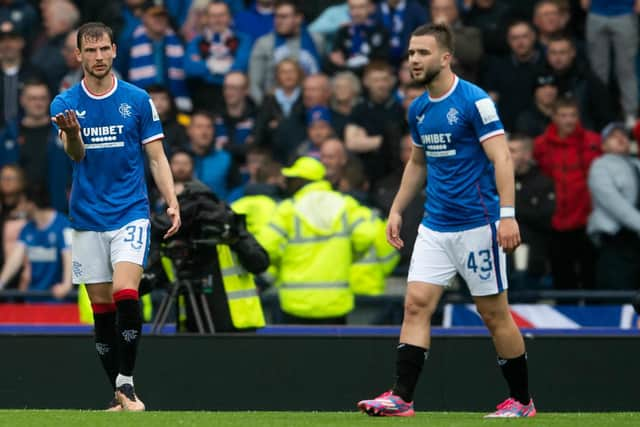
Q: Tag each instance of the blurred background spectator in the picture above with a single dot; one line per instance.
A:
(565, 152)
(213, 54)
(288, 40)
(529, 265)
(359, 40)
(510, 78)
(156, 56)
(612, 32)
(45, 240)
(614, 224)
(59, 19)
(212, 165)
(280, 125)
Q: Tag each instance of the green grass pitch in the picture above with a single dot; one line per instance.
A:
(69, 418)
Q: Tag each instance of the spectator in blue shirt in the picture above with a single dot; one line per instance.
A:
(257, 20)
(213, 54)
(213, 166)
(46, 242)
(234, 127)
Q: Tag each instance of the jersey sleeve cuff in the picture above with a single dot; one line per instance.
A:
(486, 136)
(153, 138)
(417, 144)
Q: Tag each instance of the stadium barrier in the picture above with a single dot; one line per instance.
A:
(303, 370)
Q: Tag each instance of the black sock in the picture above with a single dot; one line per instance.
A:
(104, 320)
(129, 329)
(408, 367)
(515, 372)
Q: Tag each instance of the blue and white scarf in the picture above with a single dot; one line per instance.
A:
(393, 21)
(143, 71)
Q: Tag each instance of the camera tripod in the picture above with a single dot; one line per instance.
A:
(171, 299)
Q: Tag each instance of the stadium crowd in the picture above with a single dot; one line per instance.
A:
(244, 89)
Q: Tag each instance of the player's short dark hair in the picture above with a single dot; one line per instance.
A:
(93, 31)
(566, 102)
(39, 196)
(441, 32)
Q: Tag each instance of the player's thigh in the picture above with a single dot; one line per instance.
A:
(129, 253)
(126, 275)
(480, 261)
(422, 298)
(131, 243)
(430, 261)
(90, 258)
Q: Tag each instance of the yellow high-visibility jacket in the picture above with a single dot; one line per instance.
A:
(257, 210)
(244, 303)
(368, 273)
(311, 239)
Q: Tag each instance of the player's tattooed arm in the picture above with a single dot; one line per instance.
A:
(69, 127)
(497, 151)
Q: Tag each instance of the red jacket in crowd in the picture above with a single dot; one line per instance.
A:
(567, 160)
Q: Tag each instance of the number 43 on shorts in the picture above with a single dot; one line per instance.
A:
(480, 260)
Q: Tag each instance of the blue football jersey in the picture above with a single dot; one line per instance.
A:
(109, 187)
(44, 250)
(461, 186)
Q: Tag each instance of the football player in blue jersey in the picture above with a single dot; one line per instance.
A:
(469, 223)
(106, 126)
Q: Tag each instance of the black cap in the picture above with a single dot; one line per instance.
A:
(544, 79)
(10, 29)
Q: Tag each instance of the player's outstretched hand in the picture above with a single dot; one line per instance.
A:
(67, 122)
(508, 234)
(174, 214)
(394, 223)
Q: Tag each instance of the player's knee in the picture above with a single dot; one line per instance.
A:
(494, 318)
(419, 306)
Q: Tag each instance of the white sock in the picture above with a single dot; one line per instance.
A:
(123, 379)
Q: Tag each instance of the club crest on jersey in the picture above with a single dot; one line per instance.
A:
(452, 116)
(125, 110)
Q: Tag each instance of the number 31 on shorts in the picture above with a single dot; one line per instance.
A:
(480, 263)
(134, 236)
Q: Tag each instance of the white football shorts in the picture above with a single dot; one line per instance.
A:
(474, 253)
(95, 253)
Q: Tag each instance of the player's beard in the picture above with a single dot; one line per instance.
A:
(101, 75)
(429, 76)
